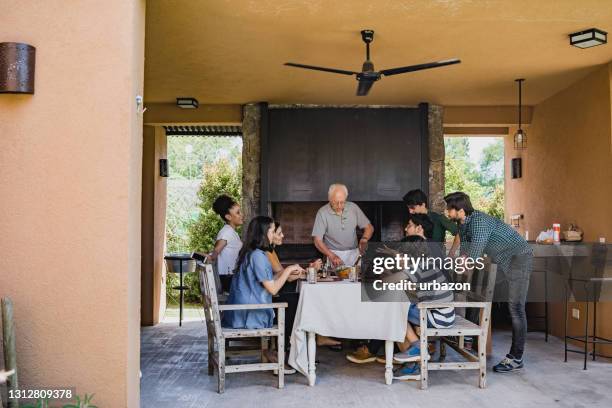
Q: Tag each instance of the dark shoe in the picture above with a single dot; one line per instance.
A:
(337, 347)
(508, 365)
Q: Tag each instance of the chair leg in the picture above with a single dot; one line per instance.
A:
(221, 368)
(442, 350)
(281, 360)
(424, 350)
(280, 346)
(482, 359)
(211, 354)
(264, 347)
(586, 335)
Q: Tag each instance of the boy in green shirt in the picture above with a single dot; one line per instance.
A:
(416, 201)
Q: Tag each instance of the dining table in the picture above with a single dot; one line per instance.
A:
(335, 309)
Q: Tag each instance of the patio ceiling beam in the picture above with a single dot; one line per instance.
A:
(476, 131)
(162, 114)
(485, 116)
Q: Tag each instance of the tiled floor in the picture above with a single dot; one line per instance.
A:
(174, 374)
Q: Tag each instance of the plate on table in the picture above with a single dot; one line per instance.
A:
(329, 279)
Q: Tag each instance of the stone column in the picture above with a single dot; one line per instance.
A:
(251, 161)
(435, 122)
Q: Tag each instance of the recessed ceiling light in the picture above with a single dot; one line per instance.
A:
(187, 103)
(588, 38)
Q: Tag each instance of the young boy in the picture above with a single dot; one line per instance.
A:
(439, 318)
(228, 243)
(416, 201)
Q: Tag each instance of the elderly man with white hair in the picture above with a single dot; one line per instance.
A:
(335, 228)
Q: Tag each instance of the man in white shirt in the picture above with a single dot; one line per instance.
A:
(334, 231)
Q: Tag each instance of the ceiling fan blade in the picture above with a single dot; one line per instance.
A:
(333, 70)
(411, 68)
(363, 86)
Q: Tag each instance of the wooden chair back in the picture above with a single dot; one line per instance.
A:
(482, 283)
(210, 300)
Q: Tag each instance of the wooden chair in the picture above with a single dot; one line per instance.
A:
(217, 335)
(480, 296)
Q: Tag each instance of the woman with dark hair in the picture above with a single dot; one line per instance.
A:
(228, 242)
(254, 280)
(277, 241)
(288, 293)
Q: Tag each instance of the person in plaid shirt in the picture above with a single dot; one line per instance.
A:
(482, 234)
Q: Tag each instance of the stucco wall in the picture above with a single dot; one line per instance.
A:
(567, 165)
(567, 173)
(70, 182)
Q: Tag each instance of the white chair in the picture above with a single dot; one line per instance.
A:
(217, 335)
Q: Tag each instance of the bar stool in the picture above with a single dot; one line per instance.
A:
(590, 286)
(544, 317)
(185, 264)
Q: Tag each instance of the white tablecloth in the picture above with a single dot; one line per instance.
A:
(335, 309)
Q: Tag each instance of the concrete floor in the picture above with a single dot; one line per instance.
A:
(174, 374)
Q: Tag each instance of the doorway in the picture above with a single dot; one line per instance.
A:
(200, 169)
(475, 165)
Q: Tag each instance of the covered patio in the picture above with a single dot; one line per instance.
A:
(84, 180)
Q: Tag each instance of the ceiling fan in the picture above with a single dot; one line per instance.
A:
(368, 76)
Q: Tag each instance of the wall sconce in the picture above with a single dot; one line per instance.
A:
(517, 167)
(515, 220)
(187, 103)
(588, 38)
(163, 168)
(17, 63)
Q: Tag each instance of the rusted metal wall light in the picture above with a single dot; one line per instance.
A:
(17, 63)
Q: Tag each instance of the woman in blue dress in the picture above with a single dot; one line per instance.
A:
(254, 280)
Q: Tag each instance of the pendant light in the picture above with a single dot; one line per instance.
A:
(520, 137)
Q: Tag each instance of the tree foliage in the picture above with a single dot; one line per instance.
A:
(212, 167)
(220, 178)
(483, 181)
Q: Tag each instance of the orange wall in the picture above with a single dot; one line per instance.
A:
(567, 173)
(567, 166)
(70, 182)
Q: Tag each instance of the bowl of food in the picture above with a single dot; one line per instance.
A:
(343, 272)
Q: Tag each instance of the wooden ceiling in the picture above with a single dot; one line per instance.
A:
(232, 51)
